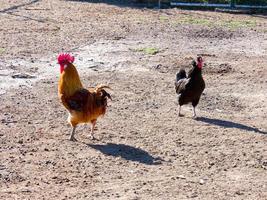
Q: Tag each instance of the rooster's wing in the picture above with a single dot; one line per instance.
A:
(78, 100)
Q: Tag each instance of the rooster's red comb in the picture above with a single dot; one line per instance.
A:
(65, 58)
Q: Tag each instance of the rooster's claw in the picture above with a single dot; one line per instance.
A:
(73, 139)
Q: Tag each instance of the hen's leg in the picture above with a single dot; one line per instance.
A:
(72, 138)
(180, 111)
(180, 102)
(194, 104)
(194, 110)
(92, 129)
(179, 114)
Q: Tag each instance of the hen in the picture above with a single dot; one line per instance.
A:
(84, 105)
(189, 88)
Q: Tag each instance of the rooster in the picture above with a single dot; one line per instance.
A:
(190, 88)
(84, 105)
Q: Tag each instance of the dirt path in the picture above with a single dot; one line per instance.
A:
(145, 151)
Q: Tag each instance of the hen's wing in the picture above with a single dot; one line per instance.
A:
(181, 85)
(78, 100)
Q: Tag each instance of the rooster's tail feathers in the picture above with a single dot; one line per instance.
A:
(100, 87)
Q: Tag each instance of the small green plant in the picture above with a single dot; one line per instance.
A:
(148, 50)
(2, 50)
(194, 21)
(163, 18)
(233, 24)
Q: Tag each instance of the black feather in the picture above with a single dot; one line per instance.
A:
(180, 75)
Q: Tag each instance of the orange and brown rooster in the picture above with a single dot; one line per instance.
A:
(83, 105)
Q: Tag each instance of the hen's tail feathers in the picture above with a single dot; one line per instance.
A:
(180, 75)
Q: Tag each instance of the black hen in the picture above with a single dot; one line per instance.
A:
(189, 89)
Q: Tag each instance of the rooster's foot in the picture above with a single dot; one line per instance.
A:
(92, 137)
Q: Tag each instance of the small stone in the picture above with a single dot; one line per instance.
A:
(201, 181)
(180, 177)
(239, 192)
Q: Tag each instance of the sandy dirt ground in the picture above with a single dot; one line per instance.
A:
(144, 150)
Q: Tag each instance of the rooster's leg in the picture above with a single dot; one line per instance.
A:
(92, 129)
(72, 138)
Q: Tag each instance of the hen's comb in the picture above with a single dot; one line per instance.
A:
(65, 58)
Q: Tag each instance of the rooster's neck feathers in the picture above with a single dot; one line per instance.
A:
(70, 80)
